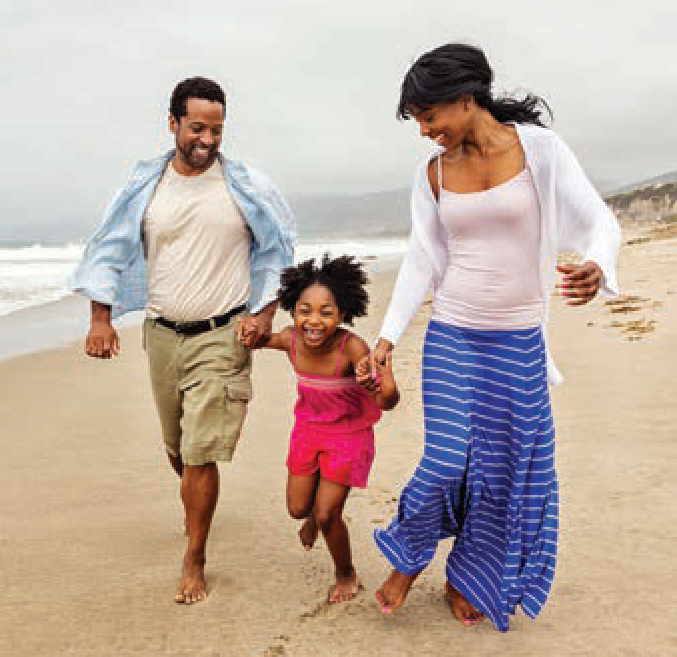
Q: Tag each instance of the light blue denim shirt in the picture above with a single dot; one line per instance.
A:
(113, 266)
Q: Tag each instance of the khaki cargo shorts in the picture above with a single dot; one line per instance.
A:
(201, 384)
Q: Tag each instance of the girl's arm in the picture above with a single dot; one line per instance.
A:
(379, 383)
(280, 341)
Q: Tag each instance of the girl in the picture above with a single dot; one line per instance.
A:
(332, 444)
(492, 205)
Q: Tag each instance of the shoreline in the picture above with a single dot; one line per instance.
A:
(61, 323)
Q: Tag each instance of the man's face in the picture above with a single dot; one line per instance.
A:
(198, 135)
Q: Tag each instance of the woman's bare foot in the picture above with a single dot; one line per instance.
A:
(394, 591)
(345, 588)
(308, 533)
(193, 587)
(461, 608)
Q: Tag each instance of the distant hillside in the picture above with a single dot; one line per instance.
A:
(670, 177)
(653, 202)
(377, 214)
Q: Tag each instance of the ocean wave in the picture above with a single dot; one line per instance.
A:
(36, 274)
(41, 253)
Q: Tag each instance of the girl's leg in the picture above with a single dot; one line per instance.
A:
(301, 491)
(328, 512)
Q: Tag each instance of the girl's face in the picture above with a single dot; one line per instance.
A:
(447, 123)
(316, 315)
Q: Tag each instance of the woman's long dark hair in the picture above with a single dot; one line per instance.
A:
(454, 70)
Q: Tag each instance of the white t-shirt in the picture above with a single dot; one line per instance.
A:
(197, 246)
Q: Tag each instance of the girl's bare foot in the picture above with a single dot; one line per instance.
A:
(193, 587)
(394, 590)
(345, 588)
(308, 533)
(461, 608)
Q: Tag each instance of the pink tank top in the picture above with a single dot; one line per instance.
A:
(493, 241)
(338, 404)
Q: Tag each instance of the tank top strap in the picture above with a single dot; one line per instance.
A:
(340, 354)
(439, 177)
(292, 350)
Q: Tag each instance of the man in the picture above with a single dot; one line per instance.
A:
(199, 242)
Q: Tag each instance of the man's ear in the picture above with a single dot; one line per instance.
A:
(173, 124)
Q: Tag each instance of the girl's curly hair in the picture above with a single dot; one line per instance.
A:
(342, 276)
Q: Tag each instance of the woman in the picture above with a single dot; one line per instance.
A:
(491, 207)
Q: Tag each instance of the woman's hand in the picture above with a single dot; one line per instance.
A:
(365, 375)
(381, 350)
(581, 282)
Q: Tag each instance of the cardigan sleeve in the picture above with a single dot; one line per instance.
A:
(586, 225)
(417, 272)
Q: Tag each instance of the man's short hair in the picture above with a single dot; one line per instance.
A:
(196, 87)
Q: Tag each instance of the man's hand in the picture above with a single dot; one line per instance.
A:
(102, 340)
(581, 282)
(254, 330)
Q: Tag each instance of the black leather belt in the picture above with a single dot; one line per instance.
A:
(202, 325)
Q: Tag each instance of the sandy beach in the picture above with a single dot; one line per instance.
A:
(91, 539)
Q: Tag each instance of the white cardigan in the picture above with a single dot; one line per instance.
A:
(573, 218)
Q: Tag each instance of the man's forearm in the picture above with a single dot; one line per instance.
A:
(268, 311)
(100, 313)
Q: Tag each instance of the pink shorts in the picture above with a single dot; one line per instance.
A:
(345, 458)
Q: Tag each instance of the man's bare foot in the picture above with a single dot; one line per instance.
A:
(461, 608)
(193, 587)
(308, 533)
(394, 591)
(345, 588)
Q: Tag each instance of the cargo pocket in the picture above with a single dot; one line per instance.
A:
(238, 393)
(239, 390)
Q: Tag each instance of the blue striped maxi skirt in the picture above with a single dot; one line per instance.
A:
(487, 475)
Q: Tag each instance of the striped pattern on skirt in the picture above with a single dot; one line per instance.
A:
(487, 476)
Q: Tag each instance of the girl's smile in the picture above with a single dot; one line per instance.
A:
(316, 316)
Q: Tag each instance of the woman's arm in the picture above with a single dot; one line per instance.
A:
(586, 226)
(379, 382)
(424, 260)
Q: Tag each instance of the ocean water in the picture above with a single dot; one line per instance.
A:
(35, 274)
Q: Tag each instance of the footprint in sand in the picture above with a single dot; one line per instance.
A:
(632, 329)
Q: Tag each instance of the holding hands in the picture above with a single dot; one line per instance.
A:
(374, 372)
(255, 330)
(581, 282)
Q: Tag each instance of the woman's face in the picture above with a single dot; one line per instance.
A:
(316, 316)
(446, 123)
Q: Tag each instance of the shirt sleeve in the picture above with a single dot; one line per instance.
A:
(105, 255)
(586, 225)
(275, 248)
(416, 273)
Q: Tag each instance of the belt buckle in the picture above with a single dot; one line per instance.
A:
(184, 328)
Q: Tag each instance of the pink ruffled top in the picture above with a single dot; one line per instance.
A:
(337, 404)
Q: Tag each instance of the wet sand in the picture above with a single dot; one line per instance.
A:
(90, 530)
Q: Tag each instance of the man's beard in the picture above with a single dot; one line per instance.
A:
(197, 161)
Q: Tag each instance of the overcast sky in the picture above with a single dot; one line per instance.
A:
(312, 87)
